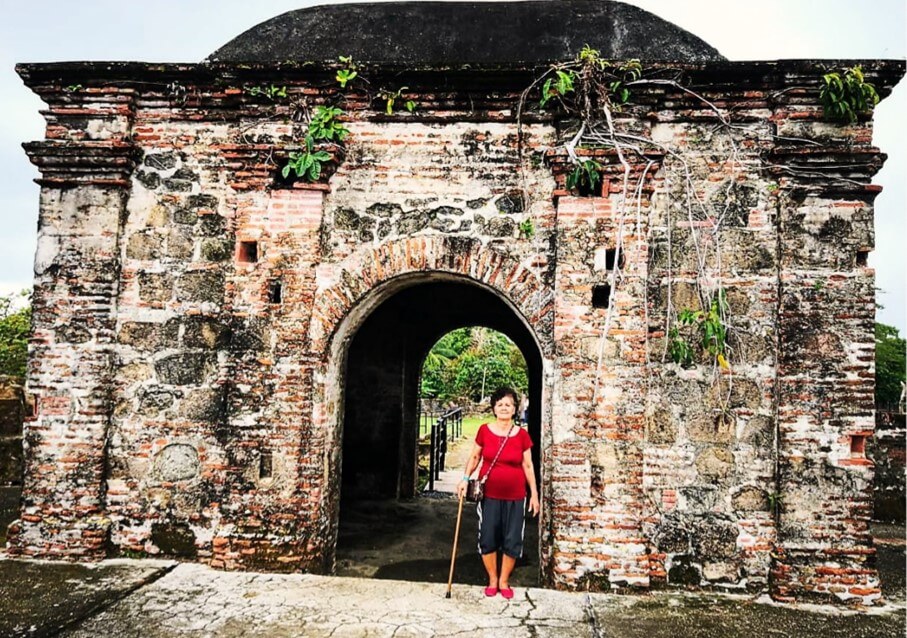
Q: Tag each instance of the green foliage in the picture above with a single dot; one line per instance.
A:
(590, 75)
(527, 229)
(467, 364)
(680, 351)
(585, 176)
(390, 98)
(14, 329)
(306, 164)
(775, 501)
(891, 359)
(325, 125)
(706, 327)
(271, 92)
(347, 75)
(73, 88)
(558, 86)
(845, 96)
(628, 72)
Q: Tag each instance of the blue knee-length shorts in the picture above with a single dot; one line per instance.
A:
(501, 526)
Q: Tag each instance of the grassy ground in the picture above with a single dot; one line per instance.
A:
(471, 424)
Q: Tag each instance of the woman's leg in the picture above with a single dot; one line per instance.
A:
(490, 561)
(507, 565)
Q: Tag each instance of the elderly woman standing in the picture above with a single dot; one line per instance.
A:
(502, 510)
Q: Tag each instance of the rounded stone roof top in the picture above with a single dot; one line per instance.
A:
(456, 33)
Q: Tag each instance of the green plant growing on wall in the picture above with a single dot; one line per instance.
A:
(558, 86)
(325, 124)
(846, 95)
(306, 164)
(271, 91)
(708, 327)
(585, 177)
(390, 99)
(324, 127)
(346, 75)
(527, 229)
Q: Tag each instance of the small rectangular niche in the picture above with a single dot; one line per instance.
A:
(265, 465)
(862, 258)
(601, 296)
(858, 445)
(275, 292)
(611, 259)
(247, 252)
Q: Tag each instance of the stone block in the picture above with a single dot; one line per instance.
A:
(145, 246)
(714, 463)
(147, 336)
(204, 404)
(201, 286)
(176, 462)
(155, 286)
(190, 368)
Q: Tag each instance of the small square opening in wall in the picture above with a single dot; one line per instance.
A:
(611, 259)
(601, 296)
(862, 258)
(265, 465)
(858, 445)
(275, 292)
(247, 252)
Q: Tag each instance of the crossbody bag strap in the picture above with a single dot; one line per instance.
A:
(500, 449)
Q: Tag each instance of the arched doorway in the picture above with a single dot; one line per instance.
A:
(380, 421)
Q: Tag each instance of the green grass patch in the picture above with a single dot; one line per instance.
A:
(471, 425)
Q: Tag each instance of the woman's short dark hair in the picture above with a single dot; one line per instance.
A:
(500, 393)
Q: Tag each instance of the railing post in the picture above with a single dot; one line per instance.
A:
(431, 460)
(442, 451)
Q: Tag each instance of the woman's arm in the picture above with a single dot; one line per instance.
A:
(471, 464)
(529, 471)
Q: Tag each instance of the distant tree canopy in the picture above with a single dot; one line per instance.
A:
(891, 358)
(468, 364)
(15, 320)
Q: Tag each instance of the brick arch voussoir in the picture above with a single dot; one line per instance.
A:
(461, 256)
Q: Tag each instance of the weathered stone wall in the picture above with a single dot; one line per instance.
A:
(209, 309)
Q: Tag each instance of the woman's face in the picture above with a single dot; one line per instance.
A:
(504, 408)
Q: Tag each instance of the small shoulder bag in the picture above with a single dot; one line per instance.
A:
(475, 488)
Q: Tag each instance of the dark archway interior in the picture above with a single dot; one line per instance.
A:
(382, 380)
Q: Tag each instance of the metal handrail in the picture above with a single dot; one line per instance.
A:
(447, 428)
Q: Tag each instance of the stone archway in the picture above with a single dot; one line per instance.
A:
(403, 271)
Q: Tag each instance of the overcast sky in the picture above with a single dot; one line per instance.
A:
(187, 31)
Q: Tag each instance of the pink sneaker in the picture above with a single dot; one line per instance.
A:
(506, 592)
(491, 591)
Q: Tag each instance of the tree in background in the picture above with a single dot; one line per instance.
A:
(468, 364)
(891, 358)
(15, 320)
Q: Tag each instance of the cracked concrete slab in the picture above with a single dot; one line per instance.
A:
(197, 602)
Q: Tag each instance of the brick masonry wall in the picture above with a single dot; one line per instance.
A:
(205, 421)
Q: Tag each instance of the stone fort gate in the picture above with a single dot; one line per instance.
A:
(219, 348)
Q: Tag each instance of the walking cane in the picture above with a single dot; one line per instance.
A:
(453, 556)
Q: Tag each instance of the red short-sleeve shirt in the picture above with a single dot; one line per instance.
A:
(507, 480)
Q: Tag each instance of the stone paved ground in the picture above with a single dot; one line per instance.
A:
(194, 601)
